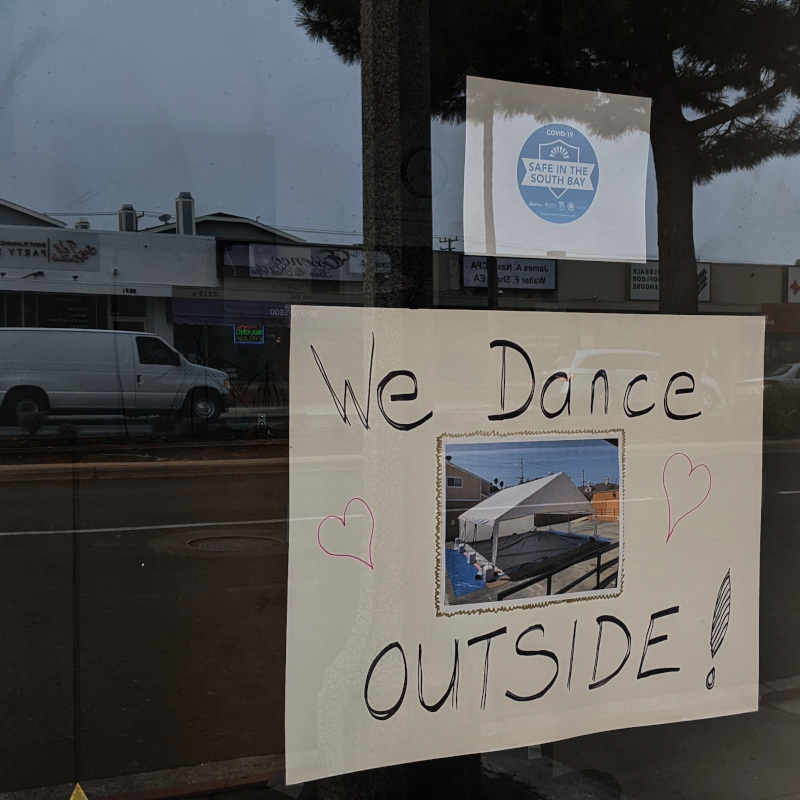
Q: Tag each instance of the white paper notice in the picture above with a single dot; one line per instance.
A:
(509, 529)
(566, 175)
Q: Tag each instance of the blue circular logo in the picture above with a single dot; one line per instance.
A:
(557, 173)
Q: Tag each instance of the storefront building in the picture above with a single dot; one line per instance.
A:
(58, 277)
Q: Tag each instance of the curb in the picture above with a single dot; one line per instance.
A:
(91, 470)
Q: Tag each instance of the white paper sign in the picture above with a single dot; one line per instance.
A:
(456, 479)
(567, 175)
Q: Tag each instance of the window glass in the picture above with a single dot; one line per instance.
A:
(200, 178)
(153, 351)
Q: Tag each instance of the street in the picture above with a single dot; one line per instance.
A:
(154, 636)
(86, 426)
(160, 646)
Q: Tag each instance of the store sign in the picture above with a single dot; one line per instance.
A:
(557, 162)
(306, 263)
(248, 334)
(512, 273)
(793, 285)
(74, 250)
(644, 284)
(567, 175)
(405, 644)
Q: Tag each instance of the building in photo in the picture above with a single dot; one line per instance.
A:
(463, 490)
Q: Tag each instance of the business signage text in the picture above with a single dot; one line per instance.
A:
(512, 273)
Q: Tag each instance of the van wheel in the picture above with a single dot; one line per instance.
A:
(24, 401)
(204, 405)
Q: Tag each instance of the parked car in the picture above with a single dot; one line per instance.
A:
(76, 371)
(784, 375)
(624, 365)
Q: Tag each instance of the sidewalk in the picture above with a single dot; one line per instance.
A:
(196, 783)
(740, 757)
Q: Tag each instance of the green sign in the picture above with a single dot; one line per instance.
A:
(248, 334)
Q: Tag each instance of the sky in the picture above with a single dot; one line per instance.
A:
(107, 103)
(593, 460)
(104, 103)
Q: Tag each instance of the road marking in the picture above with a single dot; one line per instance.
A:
(176, 526)
(793, 491)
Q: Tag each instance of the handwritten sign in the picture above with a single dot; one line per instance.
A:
(509, 529)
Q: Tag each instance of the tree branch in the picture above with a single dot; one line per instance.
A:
(743, 107)
(713, 83)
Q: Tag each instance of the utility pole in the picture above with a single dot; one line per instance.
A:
(447, 241)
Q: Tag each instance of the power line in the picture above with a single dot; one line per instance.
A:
(287, 228)
(97, 213)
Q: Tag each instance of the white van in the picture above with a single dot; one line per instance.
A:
(75, 371)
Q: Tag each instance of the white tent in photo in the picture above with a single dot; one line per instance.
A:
(513, 510)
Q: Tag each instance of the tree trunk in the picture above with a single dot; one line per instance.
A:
(673, 158)
(396, 152)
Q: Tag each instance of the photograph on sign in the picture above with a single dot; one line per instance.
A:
(511, 529)
(525, 538)
(567, 172)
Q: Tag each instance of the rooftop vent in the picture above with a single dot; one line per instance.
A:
(127, 218)
(184, 214)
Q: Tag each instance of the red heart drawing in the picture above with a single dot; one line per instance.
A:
(684, 491)
(354, 543)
